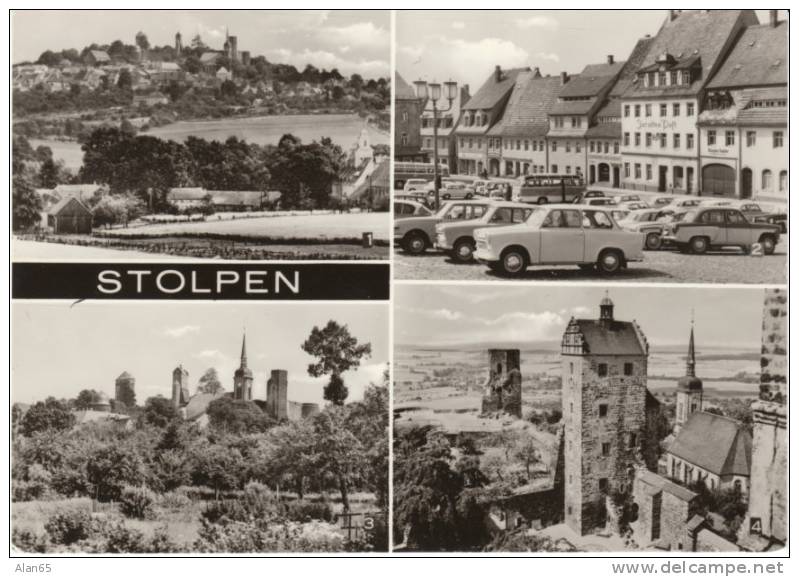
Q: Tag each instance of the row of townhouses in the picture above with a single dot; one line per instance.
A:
(699, 108)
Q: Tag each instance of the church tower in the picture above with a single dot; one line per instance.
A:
(604, 370)
(178, 45)
(689, 389)
(180, 387)
(242, 378)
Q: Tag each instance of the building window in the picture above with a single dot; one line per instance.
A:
(607, 147)
(783, 180)
(626, 110)
(689, 109)
(554, 146)
(518, 145)
(568, 170)
(729, 137)
(603, 485)
(626, 139)
(663, 140)
(675, 108)
(603, 410)
(649, 172)
(689, 141)
(633, 441)
(616, 147)
(577, 146)
(664, 110)
(628, 369)
(626, 170)
(637, 171)
(568, 146)
(554, 169)
(751, 138)
(766, 180)
(602, 369)
(638, 139)
(527, 145)
(571, 408)
(676, 140)
(404, 139)
(777, 139)
(605, 449)
(648, 139)
(711, 137)
(591, 146)
(661, 79)
(648, 109)
(637, 110)
(405, 116)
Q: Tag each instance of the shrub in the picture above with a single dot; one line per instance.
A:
(28, 541)
(174, 501)
(302, 511)
(137, 502)
(67, 527)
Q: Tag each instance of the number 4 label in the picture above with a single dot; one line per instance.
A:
(755, 526)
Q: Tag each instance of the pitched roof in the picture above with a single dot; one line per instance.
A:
(715, 443)
(631, 66)
(744, 112)
(613, 338)
(612, 108)
(592, 80)
(493, 91)
(62, 204)
(100, 55)
(79, 190)
(378, 179)
(198, 404)
(693, 37)
(604, 130)
(573, 106)
(402, 90)
(759, 58)
(656, 484)
(528, 106)
(210, 57)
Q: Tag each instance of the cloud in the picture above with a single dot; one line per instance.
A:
(551, 56)
(447, 314)
(359, 34)
(209, 354)
(178, 332)
(543, 22)
(458, 25)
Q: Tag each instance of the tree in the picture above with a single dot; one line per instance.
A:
(159, 412)
(339, 454)
(235, 416)
(49, 174)
(527, 452)
(337, 352)
(209, 382)
(85, 399)
(141, 41)
(27, 205)
(50, 415)
(125, 80)
(285, 456)
(111, 468)
(217, 467)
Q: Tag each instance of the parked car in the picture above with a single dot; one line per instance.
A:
(417, 233)
(456, 238)
(600, 201)
(580, 198)
(626, 198)
(408, 208)
(750, 209)
(633, 205)
(646, 222)
(702, 229)
(661, 201)
(685, 202)
(559, 234)
(780, 219)
(453, 190)
(480, 187)
(415, 184)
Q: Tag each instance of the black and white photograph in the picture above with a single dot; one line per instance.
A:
(665, 132)
(569, 419)
(199, 427)
(234, 135)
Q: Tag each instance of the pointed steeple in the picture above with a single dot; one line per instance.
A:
(244, 351)
(690, 363)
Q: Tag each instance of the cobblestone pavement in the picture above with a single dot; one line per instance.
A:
(658, 266)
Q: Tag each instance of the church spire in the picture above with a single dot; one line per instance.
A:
(690, 363)
(244, 350)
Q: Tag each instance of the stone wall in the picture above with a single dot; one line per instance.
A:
(503, 389)
(773, 360)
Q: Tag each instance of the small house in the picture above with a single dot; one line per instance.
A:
(70, 216)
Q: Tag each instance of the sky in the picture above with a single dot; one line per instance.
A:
(60, 349)
(352, 41)
(441, 315)
(466, 45)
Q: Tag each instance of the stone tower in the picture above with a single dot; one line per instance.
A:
(125, 389)
(180, 386)
(231, 46)
(277, 389)
(767, 515)
(503, 390)
(242, 378)
(178, 44)
(689, 389)
(604, 368)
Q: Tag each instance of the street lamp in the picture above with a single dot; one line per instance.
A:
(434, 93)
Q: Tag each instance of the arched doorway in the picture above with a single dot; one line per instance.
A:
(493, 167)
(604, 172)
(746, 183)
(718, 180)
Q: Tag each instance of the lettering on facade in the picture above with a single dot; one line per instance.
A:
(661, 124)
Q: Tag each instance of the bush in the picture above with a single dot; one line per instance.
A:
(67, 527)
(174, 501)
(302, 511)
(137, 502)
(28, 541)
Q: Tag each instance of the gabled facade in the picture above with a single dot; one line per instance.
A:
(447, 150)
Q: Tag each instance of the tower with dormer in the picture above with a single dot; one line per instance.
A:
(604, 373)
(242, 378)
(689, 389)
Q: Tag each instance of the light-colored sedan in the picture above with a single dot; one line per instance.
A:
(417, 233)
(457, 238)
(585, 236)
(415, 184)
(408, 208)
(648, 223)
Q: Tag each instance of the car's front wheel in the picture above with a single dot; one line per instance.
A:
(543, 200)
(768, 243)
(653, 241)
(463, 250)
(513, 261)
(610, 261)
(699, 245)
(414, 243)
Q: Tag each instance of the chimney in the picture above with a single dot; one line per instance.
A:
(773, 18)
(564, 77)
(610, 58)
(497, 73)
